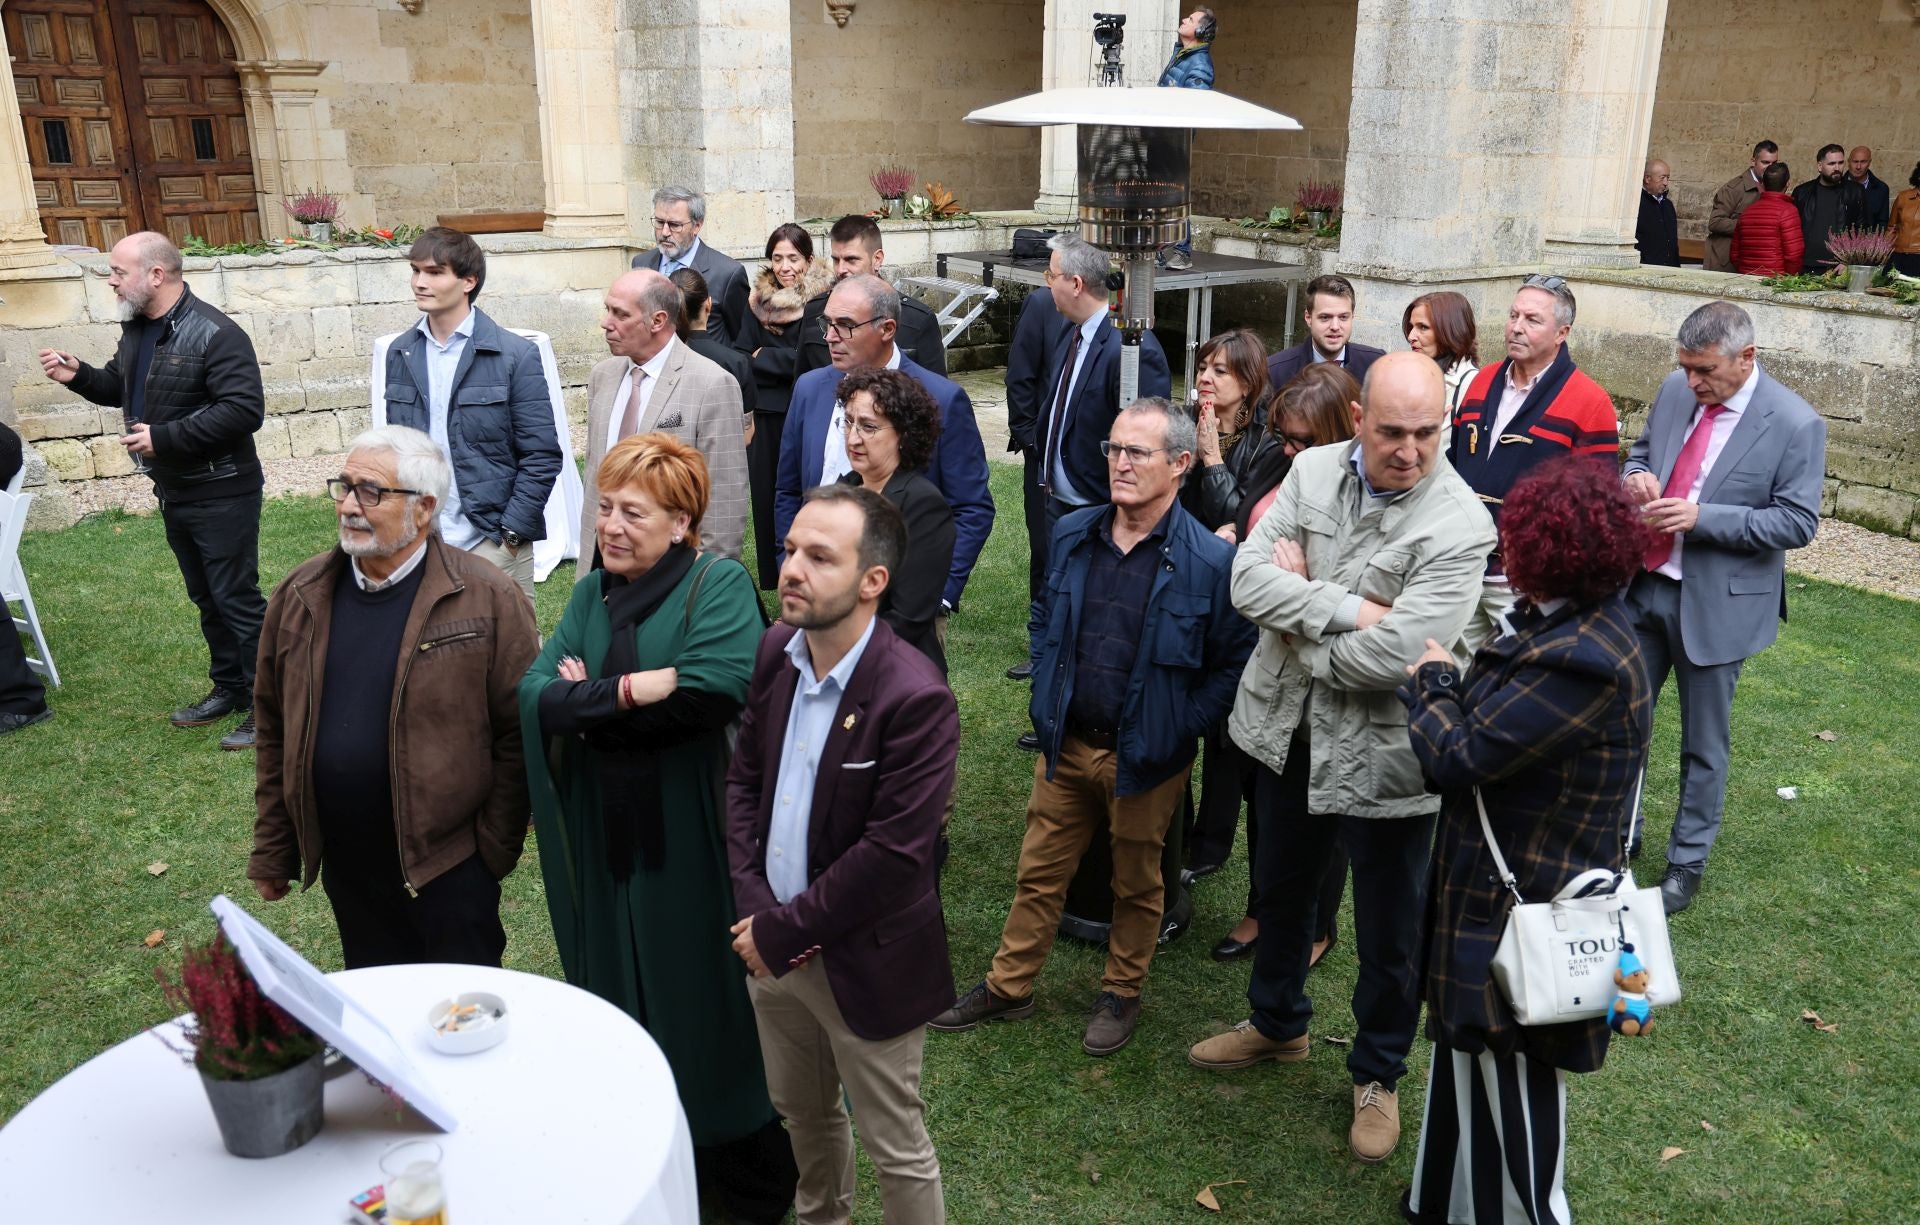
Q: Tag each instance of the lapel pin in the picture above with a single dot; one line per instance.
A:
(850, 721)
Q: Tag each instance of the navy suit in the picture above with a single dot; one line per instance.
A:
(1095, 402)
(958, 467)
(1028, 358)
(1282, 366)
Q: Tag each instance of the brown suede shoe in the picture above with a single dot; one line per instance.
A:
(1111, 1025)
(1376, 1122)
(977, 1005)
(1242, 1047)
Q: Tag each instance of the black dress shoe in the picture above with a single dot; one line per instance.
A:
(1230, 949)
(1199, 870)
(217, 705)
(1022, 671)
(1677, 888)
(1029, 741)
(13, 721)
(241, 737)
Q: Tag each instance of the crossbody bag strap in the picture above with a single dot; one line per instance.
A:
(1499, 860)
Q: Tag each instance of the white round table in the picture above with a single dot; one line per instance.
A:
(573, 1118)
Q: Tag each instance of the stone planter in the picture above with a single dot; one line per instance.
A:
(272, 1115)
(1860, 277)
(320, 231)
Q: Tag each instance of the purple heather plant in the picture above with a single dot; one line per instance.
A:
(311, 206)
(891, 182)
(1316, 196)
(1858, 245)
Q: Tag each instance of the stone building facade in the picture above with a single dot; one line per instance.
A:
(1476, 141)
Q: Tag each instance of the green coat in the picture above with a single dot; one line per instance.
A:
(657, 944)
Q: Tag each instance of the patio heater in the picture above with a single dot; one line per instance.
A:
(1135, 149)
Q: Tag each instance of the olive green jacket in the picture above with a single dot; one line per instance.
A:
(1423, 552)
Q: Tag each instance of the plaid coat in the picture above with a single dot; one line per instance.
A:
(1551, 722)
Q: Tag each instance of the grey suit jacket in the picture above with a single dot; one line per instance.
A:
(1761, 498)
(726, 280)
(699, 403)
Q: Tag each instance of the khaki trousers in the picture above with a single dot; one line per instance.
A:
(1062, 815)
(517, 566)
(809, 1054)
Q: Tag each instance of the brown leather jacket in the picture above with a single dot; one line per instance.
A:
(1906, 222)
(459, 779)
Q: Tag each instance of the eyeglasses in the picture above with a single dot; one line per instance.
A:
(1135, 455)
(661, 223)
(1552, 284)
(1301, 441)
(368, 493)
(868, 429)
(843, 328)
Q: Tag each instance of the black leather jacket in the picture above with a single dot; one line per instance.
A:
(203, 400)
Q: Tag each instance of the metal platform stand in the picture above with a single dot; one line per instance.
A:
(962, 293)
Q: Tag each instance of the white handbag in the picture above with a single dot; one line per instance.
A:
(1556, 959)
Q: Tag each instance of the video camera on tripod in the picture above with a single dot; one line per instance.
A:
(1109, 31)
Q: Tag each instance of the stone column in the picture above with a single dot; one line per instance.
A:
(706, 101)
(23, 244)
(1613, 64)
(295, 144)
(1069, 60)
(580, 148)
(1512, 136)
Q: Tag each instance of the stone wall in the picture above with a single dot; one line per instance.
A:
(438, 108)
(1733, 72)
(892, 87)
(1295, 56)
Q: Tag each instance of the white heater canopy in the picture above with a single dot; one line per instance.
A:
(1134, 106)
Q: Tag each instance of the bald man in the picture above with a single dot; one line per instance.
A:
(1370, 548)
(654, 382)
(1879, 196)
(187, 384)
(1657, 236)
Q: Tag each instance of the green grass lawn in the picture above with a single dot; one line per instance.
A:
(1810, 904)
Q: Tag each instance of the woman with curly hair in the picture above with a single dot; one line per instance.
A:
(1549, 726)
(780, 292)
(892, 424)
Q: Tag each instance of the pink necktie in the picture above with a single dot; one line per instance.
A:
(1686, 470)
(630, 419)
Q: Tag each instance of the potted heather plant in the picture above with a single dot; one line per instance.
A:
(316, 210)
(1861, 251)
(260, 1067)
(1318, 200)
(892, 183)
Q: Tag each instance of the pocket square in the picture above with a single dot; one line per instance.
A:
(858, 765)
(671, 421)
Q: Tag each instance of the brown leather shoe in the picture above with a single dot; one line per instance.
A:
(1376, 1122)
(1111, 1025)
(1242, 1047)
(977, 1005)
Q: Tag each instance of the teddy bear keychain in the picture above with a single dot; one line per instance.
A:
(1632, 1013)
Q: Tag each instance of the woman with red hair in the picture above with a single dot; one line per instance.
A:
(1549, 725)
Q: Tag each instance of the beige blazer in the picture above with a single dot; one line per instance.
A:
(696, 401)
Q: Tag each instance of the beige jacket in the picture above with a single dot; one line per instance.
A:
(1425, 553)
(1728, 203)
(697, 402)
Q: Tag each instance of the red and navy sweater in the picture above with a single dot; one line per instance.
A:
(1566, 412)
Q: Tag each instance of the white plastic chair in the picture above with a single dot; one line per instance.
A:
(13, 582)
(19, 480)
(569, 495)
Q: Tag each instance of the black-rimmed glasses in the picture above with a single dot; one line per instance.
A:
(1135, 455)
(368, 493)
(843, 328)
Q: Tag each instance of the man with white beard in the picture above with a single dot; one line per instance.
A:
(188, 387)
(390, 761)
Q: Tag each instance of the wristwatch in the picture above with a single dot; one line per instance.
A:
(512, 539)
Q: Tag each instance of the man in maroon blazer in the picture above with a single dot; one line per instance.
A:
(842, 771)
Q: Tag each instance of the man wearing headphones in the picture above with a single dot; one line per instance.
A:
(1190, 68)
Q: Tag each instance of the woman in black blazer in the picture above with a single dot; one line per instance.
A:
(892, 424)
(774, 309)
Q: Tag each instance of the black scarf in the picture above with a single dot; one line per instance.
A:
(630, 782)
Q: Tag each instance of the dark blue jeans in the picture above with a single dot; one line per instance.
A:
(1389, 858)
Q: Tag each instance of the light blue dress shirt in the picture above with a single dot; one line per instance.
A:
(1057, 479)
(670, 266)
(815, 702)
(443, 362)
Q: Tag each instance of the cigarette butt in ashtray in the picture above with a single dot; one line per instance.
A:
(1787, 793)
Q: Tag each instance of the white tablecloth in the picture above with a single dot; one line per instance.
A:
(573, 1118)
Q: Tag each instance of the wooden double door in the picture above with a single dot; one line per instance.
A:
(133, 119)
